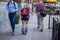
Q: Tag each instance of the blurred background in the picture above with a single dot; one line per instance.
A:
(51, 29)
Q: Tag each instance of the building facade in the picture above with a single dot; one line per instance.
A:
(19, 1)
(14, 0)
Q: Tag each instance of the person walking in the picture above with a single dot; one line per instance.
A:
(39, 7)
(25, 18)
(11, 8)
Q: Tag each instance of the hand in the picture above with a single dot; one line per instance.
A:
(13, 11)
(4, 14)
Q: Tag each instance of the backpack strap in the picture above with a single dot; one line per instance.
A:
(13, 3)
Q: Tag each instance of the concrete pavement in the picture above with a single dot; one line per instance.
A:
(33, 32)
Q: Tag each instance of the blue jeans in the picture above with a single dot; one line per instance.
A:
(12, 17)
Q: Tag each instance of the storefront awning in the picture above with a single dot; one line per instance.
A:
(51, 1)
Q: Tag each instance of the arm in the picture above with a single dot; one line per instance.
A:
(30, 11)
(6, 9)
(16, 6)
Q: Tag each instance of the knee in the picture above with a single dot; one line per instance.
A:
(26, 22)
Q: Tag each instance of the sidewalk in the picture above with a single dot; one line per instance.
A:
(33, 33)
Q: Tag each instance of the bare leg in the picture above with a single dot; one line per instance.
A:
(26, 24)
(22, 23)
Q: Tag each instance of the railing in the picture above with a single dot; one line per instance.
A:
(55, 30)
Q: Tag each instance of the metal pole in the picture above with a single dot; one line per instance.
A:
(49, 19)
(49, 23)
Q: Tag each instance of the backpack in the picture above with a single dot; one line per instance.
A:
(24, 11)
(13, 3)
(43, 12)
